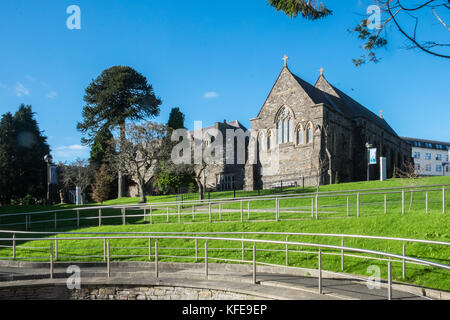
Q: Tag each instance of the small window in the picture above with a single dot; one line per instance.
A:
(428, 156)
(300, 136)
(438, 168)
(309, 134)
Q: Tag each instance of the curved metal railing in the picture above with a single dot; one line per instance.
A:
(345, 251)
(212, 207)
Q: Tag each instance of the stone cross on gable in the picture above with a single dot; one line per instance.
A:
(285, 58)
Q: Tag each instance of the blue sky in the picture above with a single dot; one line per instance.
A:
(215, 60)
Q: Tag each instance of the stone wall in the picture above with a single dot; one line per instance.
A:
(117, 292)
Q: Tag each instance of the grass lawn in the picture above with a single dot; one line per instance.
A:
(333, 218)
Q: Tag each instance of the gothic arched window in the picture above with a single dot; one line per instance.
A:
(300, 135)
(285, 125)
(309, 134)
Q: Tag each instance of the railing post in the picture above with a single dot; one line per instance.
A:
(55, 219)
(220, 211)
(385, 203)
(403, 261)
(348, 206)
(317, 207)
(254, 263)
(243, 249)
(196, 250)
(14, 246)
(320, 271)
(104, 249)
(312, 208)
(206, 259)
(167, 214)
(56, 249)
(151, 215)
(193, 213)
(403, 202)
(100, 217)
(242, 211)
(287, 251)
(124, 222)
(209, 212)
(277, 205)
(342, 254)
(426, 202)
(108, 259)
(389, 280)
(149, 249)
(156, 259)
(179, 214)
(26, 223)
(443, 199)
(78, 218)
(51, 260)
(357, 204)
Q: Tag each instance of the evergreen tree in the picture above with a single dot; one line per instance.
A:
(7, 157)
(102, 184)
(176, 119)
(22, 150)
(120, 93)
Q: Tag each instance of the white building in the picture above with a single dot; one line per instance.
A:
(431, 158)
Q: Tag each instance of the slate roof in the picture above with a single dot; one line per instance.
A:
(341, 102)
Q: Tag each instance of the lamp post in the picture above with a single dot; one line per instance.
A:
(48, 159)
(368, 146)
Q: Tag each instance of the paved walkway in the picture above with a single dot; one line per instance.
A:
(274, 286)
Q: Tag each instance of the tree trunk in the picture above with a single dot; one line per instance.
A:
(142, 192)
(200, 188)
(120, 180)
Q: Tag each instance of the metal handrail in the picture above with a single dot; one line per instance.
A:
(237, 200)
(250, 198)
(319, 246)
(232, 233)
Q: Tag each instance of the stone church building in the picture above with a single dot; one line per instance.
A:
(306, 134)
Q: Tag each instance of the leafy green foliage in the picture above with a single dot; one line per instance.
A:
(120, 93)
(23, 170)
(311, 10)
(176, 119)
(102, 185)
(101, 146)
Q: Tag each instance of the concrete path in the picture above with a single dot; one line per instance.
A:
(283, 285)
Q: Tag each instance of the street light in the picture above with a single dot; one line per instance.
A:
(48, 159)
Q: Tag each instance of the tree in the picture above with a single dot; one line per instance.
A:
(102, 184)
(101, 147)
(176, 119)
(7, 158)
(77, 174)
(425, 14)
(184, 160)
(140, 152)
(119, 94)
(167, 179)
(23, 146)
